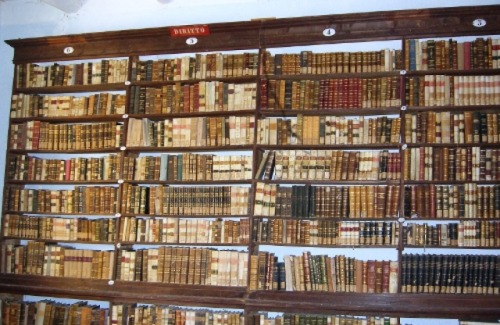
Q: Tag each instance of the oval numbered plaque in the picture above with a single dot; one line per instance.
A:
(191, 41)
(329, 32)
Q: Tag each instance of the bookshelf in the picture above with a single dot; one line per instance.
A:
(184, 169)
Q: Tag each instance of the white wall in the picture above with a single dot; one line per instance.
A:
(32, 18)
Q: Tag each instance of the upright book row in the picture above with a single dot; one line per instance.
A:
(20, 312)
(309, 272)
(332, 165)
(451, 54)
(87, 73)
(330, 93)
(461, 127)
(444, 90)
(304, 201)
(204, 96)
(328, 130)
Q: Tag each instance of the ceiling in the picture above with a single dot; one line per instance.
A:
(70, 6)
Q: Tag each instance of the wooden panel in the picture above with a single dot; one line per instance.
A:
(383, 25)
(123, 291)
(266, 33)
(227, 36)
(462, 306)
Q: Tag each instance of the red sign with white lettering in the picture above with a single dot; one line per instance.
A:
(194, 30)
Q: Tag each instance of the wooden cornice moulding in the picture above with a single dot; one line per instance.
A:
(381, 25)
(149, 41)
(421, 305)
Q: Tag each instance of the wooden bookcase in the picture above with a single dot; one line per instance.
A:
(257, 39)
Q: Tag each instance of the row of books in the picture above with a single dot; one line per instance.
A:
(129, 314)
(302, 201)
(184, 265)
(452, 127)
(32, 168)
(26, 105)
(59, 228)
(339, 165)
(452, 201)
(423, 201)
(88, 73)
(36, 135)
(181, 231)
(293, 319)
(328, 130)
(39, 258)
(204, 96)
(81, 199)
(451, 164)
(308, 62)
(469, 233)
(308, 272)
(420, 55)
(199, 66)
(457, 274)
(191, 132)
(444, 90)
(165, 167)
(440, 54)
(330, 93)
(17, 312)
(188, 167)
(200, 200)
(325, 232)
